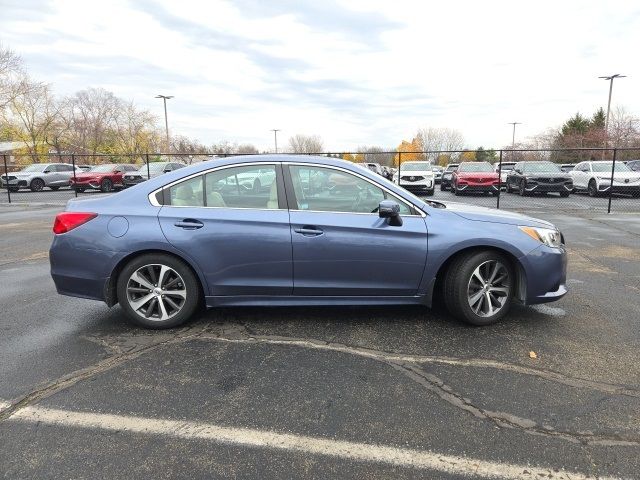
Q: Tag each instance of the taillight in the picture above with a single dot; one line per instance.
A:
(67, 221)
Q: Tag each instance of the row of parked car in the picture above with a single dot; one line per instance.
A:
(106, 177)
(531, 177)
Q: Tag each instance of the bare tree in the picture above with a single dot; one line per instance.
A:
(31, 113)
(135, 129)
(13, 80)
(305, 144)
(431, 139)
(373, 154)
(246, 149)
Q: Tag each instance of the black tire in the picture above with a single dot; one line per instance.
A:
(37, 185)
(592, 189)
(454, 189)
(443, 188)
(564, 194)
(192, 301)
(495, 194)
(521, 188)
(55, 189)
(106, 185)
(457, 281)
(508, 187)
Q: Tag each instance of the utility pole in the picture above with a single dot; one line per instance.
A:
(610, 78)
(513, 137)
(275, 137)
(166, 121)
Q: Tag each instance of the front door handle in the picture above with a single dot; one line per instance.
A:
(189, 224)
(309, 231)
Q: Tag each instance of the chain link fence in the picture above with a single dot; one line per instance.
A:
(564, 180)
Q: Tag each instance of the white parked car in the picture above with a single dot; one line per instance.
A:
(595, 178)
(39, 175)
(504, 170)
(416, 177)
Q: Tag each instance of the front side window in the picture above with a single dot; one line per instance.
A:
(327, 190)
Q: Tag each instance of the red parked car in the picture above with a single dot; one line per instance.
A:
(102, 177)
(475, 177)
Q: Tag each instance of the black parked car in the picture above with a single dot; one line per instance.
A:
(539, 177)
(447, 175)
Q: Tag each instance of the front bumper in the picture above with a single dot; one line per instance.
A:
(86, 184)
(422, 185)
(549, 187)
(470, 187)
(545, 272)
(130, 181)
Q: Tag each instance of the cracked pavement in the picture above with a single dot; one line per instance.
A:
(403, 378)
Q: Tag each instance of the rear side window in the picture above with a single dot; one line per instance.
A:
(189, 193)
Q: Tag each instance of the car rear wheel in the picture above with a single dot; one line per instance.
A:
(478, 287)
(158, 291)
(37, 184)
(106, 185)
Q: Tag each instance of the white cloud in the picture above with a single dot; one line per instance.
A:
(354, 72)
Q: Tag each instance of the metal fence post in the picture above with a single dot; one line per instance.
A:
(499, 181)
(73, 162)
(399, 163)
(613, 168)
(148, 170)
(6, 177)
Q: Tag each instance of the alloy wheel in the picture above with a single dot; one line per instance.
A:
(488, 288)
(156, 292)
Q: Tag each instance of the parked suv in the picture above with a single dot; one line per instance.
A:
(505, 169)
(595, 178)
(105, 177)
(416, 177)
(155, 169)
(39, 175)
(539, 177)
(475, 177)
(634, 165)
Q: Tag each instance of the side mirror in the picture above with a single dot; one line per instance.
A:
(391, 210)
(47, 171)
(166, 170)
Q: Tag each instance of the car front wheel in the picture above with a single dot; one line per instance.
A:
(37, 185)
(158, 291)
(106, 185)
(479, 287)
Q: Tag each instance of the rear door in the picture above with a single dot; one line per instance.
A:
(238, 235)
(341, 247)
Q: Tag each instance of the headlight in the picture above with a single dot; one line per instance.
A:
(548, 236)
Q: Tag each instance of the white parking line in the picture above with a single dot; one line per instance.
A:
(362, 452)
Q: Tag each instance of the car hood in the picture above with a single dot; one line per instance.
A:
(483, 214)
(25, 174)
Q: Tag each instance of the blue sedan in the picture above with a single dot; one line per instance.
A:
(294, 230)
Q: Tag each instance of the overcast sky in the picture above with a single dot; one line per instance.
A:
(354, 72)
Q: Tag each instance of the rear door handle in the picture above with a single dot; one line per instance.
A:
(309, 231)
(189, 224)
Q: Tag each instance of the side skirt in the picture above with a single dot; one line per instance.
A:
(292, 300)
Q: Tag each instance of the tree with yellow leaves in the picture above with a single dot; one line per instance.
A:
(348, 157)
(408, 151)
(468, 156)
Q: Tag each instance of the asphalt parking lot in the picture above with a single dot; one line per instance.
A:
(325, 392)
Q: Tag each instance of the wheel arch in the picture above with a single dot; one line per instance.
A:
(110, 288)
(521, 279)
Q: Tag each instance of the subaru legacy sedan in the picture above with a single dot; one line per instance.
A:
(314, 235)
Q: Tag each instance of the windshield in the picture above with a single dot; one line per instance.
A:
(540, 167)
(451, 168)
(154, 167)
(475, 167)
(415, 166)
(606, 167)
(36, 167)
(507, 166)
(103, 168)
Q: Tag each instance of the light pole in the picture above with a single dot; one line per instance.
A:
(611, 78)
(513, 137)
(275, 137)
(166, 121)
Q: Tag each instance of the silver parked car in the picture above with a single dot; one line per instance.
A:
(39, 175)
(154, 169)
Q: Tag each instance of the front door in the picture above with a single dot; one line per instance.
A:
(238, 234)
(341, 247)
